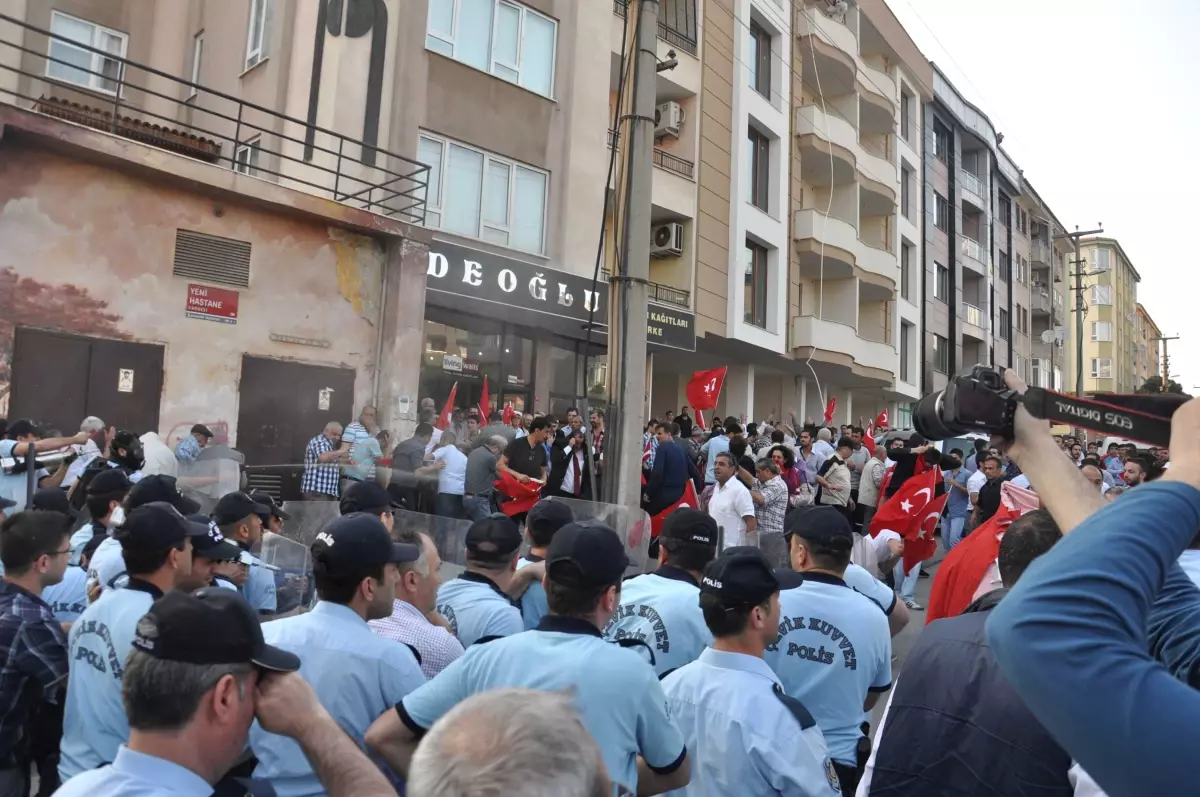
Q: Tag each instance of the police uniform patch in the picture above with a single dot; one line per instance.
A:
(145, 633)
(831, 776)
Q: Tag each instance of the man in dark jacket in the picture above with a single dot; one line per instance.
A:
(406, 459)
(672, 470)
(570, 472)
(954, 725)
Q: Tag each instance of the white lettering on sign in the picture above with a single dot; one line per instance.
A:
(537, 287)
(472, 273)
(591, 300)
(507, 280)
(438, 265)
(564, 298)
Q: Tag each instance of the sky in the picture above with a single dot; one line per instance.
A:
(1097, 101)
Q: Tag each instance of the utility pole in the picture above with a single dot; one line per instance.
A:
(1079, 275)
(627, 296)
(1166, 362)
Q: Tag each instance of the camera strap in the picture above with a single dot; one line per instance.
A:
(1097, 416)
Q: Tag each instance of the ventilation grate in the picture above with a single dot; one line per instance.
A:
(210, 258)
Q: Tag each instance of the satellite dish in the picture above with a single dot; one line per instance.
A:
(1048, 336)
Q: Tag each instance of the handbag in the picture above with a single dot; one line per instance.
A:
(804, 496)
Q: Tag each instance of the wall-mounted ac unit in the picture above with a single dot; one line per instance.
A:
(668, 119)
(666, 240)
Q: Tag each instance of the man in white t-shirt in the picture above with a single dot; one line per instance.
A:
(451, 465)
(731, 505)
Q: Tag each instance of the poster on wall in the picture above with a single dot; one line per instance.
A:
(212, 304)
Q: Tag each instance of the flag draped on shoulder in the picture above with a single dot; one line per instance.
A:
(913, 512)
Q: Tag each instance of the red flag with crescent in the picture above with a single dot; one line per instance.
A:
(913, 513)
(830, 408)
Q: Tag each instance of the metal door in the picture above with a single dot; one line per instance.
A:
(125, 384)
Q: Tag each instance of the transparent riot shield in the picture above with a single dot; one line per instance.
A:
(449, 535)
(215, 473)
(307, 518)
(291, 564)
(632, 525)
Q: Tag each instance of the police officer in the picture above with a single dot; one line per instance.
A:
(834, 650)
(662, 608)
(124, 453)
(274, 522)
(208, 552)
(546, 517)
(620, 699)
(749, 737)
(107, 565)
(476, 605)
(155, 542)
(104, 496)
(241, 520)
(356, 673)
(370, 497)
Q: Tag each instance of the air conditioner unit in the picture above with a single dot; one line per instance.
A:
(668, 118)
(666, 240)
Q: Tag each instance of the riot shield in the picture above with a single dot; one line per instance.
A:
(215, 473)
(632, 525)
(449, 535)
(307, 518)
(291, 564)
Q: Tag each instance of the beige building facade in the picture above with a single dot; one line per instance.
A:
(1110, 319)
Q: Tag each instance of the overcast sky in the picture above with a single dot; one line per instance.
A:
(1097, 100)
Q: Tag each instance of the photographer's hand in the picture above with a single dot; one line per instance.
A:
(1185, 445)
(1062, 488)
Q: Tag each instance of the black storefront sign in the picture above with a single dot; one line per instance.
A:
(488, 278)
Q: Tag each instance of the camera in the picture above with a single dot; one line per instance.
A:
(980, 401)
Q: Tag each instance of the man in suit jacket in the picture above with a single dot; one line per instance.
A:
(672, 470)
(570, 471)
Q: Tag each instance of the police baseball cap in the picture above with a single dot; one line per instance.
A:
(690, 525)
(366, 497)
(127, 440)
(268, 500)
(493, 538)
(740, 577)
(548, 516)
(6, 503)
(209, 626)
(213, 545)
(52, 499)
(238, 506)
(111, 481)
(358, 542)
(824, 526)
(161, 488)
(202, 430)
(157, 525)
(586, 554)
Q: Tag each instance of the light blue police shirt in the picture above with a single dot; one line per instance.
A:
(533, 603)
(259, 589)
(94, 723)
(107, 565)
(476, 608)
(357, 675)
(743, 738)
(619, 698)
(15, 486)
(81, 538)
(861, 581)
(68, 598)
(134, 774)
(834, 647)
(662, 609)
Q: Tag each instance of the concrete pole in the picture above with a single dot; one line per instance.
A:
(627, 310)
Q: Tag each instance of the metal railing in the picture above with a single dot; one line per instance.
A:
(972, 249)
(199, 122)
(971, 183)
(676, 22)
(973, 315)
(657, 292)
(662, 158)
(1039, 252)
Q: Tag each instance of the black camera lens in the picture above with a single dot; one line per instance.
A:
(928, 420)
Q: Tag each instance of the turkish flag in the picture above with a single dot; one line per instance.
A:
(870, 433)
(960, 573)
(704, 387)
(443, 421)
(908, 511)
(881, 420)
(829, 409)
(523, 496)
(484, 404)
(507, 415)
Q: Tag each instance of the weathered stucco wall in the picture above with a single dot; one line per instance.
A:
(88, 250)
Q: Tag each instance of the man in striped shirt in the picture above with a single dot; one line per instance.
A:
(356, 433)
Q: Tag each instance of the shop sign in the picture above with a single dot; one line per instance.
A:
(670, 327)
(502, 280)
(212, 304)
(452, 362)
(516, 381)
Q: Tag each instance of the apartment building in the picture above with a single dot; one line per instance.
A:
(1110, 319)
(1041, 266)
(1147, 355)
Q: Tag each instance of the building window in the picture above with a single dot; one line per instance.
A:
(245, 157)
(905, 269)
(1005, 261)
(754, 299)
(1019, 365)
(1022, 269)
(905, 191)
(510, 41)
(71, 64)
(941, 212)
(1002, 324)
(759, 61)
(906, 333)
(1102, 259)
(1102, 368)
(256, 34)
(941, 354)
(906, 125)
(1005, 212)
(197, 54)
(1023, 319)
(758, 156)
(941, 282)
(941, 141)
(1101, 294)
(481, 195)
(1102, 331)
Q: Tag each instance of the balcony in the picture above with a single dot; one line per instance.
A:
(974, 190)
(817, 333)
(842, 236)
(662, 159)
(676, 22)
(659, 293)
(825, 28)
(1039, 254)
(876, 163)
(973, 254)
(1040, 303)
(974, 320)
(827, 126)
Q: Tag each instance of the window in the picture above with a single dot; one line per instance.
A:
(759, 163)
(905, 269)
(1022, 269)
(1019, 365)
(941, 283)
(1102, 259)
(754, 299)
(906, 116)
(257, 32)
(245, 157)
(1102, 331)
(941, 354)
(1005, 264)
(197, 54)
(505, 39)
(1023, 319)
(1102, 368)
(480, 195)
(1101, 294)
(72, 64)
(941, 141)
(941, 212)
(905, 191)
(1002, 324)
(906, 333)
(759, 61)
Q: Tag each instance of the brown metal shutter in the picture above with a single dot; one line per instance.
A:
(210, 258)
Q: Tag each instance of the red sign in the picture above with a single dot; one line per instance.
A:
(212, 304)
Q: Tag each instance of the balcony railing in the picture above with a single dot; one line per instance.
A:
(662, 158)
(972, 249)
(657, 292)
(1039, 252)
(971, 183)
(676, 22)
(973, 315)
(210, 126)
